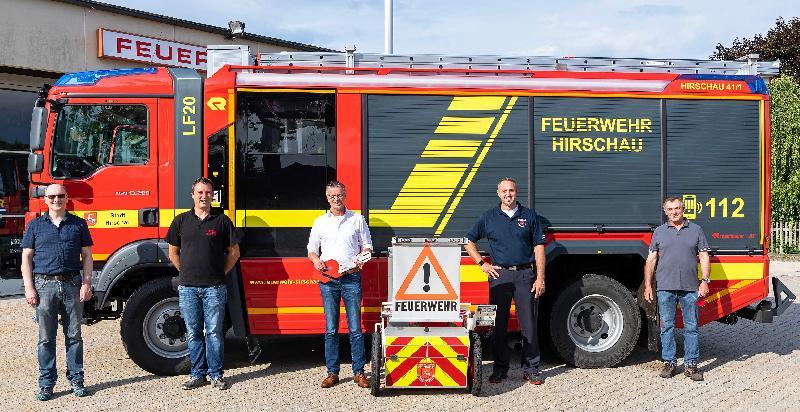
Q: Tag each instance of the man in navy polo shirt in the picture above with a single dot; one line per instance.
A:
(515, 238)
(52, 248)
(675, 249)
(204, 248)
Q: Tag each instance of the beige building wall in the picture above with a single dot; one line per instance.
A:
(58, 37)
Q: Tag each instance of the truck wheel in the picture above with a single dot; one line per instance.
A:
(595, 322)
(153, 331)
(376, 363)
(475, 369)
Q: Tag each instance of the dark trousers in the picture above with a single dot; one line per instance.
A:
(515, 284)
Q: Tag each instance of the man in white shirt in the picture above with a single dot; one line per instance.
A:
(340, 235)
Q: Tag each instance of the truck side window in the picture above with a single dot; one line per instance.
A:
(88, 137)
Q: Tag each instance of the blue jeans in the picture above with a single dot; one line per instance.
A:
(56, 299)
(347, 288)
(204, 308)
(667, 301)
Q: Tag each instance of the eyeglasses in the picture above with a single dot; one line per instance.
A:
(60, 196)
(335, 196)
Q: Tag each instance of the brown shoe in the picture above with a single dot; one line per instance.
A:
(668, 370)
(330, 381)
(361, 380)
(693, 373)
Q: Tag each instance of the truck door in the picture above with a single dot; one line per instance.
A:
(285, 155)
(104, 153)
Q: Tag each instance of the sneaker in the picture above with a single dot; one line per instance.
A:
(497, 377)
(194, 383)
(219, 383)
(668, 370)
(693, 372)
(78, 389)
(533, 378)
(44, 394)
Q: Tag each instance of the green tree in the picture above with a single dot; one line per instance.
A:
(781, 42)
(785, 107)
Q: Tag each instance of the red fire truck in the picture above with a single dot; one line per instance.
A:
(420, 142)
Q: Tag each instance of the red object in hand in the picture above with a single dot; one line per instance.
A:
(331, 271)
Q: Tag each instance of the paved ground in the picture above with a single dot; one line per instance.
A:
(748, 366)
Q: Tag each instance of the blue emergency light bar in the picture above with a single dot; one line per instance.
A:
(92, 77)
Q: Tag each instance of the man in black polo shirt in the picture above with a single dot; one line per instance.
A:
(52, 248)
(515, 238)
(203, 247)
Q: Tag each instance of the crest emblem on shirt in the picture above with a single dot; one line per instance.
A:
(90, 217)
(211, 232)
(522, 222)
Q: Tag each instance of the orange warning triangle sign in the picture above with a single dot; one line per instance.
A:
(427, 252)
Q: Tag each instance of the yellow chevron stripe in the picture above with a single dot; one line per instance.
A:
(442, 346)
(451, 148)
(444, 378)
(464, 125)
(477, 103)
(729, 290)
(475, 167)
(407, 379)
(422, 197)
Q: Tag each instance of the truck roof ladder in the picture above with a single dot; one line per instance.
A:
(748, 65)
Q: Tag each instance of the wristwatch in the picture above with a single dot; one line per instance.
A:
(706, 280)
(481, 262)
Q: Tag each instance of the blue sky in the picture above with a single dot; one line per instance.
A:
(613, 28)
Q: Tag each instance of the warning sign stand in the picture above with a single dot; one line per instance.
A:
(427, 337)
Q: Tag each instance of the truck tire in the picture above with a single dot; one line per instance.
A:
(376, 362)
(152, 329)
(475, 368)
(595, 322)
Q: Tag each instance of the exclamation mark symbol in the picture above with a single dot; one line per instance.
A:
(426, 276)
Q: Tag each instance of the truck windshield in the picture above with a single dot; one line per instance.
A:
(88, 137)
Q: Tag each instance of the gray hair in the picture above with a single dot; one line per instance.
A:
(334, 184)
(506, 179)
(669, 199)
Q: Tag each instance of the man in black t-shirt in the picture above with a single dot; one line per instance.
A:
(204, 248)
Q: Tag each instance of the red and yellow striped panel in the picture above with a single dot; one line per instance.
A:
(427, 361)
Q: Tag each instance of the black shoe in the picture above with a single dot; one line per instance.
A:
(78, 389)
(693, 372)
(534, 378)
(497, 377)
(668, 370)
(194, 383)
(219, 383)
(44, 394)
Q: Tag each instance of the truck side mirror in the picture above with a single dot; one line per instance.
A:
(38, 128)
(35, 162)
